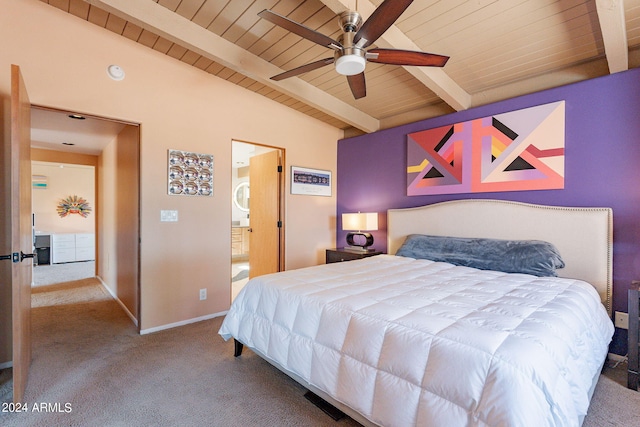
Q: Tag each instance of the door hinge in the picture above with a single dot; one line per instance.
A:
(279, 168)
(279, 224)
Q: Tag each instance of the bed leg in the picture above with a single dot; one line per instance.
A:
(324, 406)
(237, 348)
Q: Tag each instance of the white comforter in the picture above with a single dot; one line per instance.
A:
(412, 342)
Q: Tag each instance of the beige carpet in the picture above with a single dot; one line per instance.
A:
(613, 404)
(86, 353)
(49, 274)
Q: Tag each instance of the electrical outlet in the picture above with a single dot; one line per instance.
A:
(203, 294)
(622, 320)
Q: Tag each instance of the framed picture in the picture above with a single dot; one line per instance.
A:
(310, 182)
(39, 182)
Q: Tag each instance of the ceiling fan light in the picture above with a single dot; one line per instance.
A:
(349, 65)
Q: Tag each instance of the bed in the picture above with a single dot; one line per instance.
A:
(397, 341)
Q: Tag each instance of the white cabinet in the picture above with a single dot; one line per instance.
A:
(63, 248)
(69, 247)
(85, 247)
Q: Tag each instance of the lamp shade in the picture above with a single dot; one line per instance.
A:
(360, 221)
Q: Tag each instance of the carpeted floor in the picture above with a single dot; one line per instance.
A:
(86, 353)
(613, 404)
(49, 274)
(91, 368)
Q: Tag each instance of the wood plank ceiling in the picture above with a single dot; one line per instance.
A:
(498, 48)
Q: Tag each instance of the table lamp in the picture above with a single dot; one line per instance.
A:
(356, 223)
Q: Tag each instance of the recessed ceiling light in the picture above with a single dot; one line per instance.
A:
(76, 116)
(115, 72)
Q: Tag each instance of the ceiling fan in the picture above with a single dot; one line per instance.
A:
(351, 54)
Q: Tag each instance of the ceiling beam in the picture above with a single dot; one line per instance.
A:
(159, 20)
(614, 34)
(434, 78)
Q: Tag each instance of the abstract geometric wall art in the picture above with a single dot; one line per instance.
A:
(515, 151)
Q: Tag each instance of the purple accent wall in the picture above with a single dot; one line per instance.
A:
(602, 167)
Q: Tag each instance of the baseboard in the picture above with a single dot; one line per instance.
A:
(6, 365)
(182, 323)
(115, 297)
(158, 328)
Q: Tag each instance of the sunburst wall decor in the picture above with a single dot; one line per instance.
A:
(73, 205)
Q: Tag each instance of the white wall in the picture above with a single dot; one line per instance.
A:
(63, 60)
(62, 182)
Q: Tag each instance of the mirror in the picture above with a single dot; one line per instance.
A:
(241, 196)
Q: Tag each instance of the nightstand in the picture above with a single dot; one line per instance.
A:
(633, 371)
(345, 254)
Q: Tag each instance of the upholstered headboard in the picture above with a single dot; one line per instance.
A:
(584, 236)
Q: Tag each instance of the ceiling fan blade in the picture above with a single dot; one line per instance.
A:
(358, 85)
(406, 57)
(303, 69)
(299, 29)
(380, 20)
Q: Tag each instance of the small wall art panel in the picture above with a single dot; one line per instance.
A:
(39, 182)
(190, 174)
(310, 182)
(515, 151)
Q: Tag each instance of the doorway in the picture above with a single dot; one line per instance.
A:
(257, 230)
(64, 236)
(108, 236)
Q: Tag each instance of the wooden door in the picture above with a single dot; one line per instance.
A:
(265, 236)
(21, 231)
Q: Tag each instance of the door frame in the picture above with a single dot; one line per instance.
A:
(281, 198)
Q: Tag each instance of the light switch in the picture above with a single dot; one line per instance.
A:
(168, 216)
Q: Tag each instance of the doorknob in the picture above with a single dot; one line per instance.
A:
(23, 256)
(250, 230)
(16, 257)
